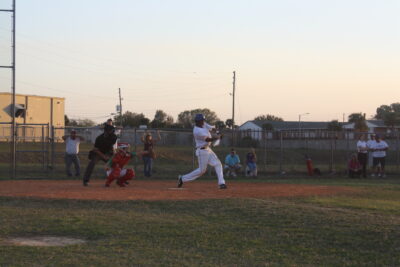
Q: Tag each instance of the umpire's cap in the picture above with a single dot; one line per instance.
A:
(199, 117)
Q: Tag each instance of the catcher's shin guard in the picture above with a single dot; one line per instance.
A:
(130, 173)
(115, 172)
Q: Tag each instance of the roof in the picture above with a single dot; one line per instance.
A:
(370, 123)
(379, 123)
(7, 93)
(292, 125)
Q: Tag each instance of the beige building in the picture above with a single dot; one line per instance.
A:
(32, 114)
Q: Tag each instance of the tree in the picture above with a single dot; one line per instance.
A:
(220, 125)
(359, 121)
(81, 123)
(267, 117)
(334, 126)
(161, 120)
(131, 119)
(229, 123)
(186, 118)
(66, 120)
(389, 114)
(176, 126)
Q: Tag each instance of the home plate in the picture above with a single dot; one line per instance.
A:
(176, 188)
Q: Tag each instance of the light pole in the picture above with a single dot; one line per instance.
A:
(300, 120)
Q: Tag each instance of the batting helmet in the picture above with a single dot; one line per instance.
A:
(199, 117)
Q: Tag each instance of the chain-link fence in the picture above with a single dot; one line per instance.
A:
(40, 151)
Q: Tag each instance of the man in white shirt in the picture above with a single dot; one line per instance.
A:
(379, 149)
(205, 155)
(71, 152)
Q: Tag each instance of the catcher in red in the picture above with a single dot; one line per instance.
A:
(115, 166)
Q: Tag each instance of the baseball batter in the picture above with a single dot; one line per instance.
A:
(205, 155)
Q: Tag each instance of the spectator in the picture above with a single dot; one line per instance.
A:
(232, 163)
(354, 167)
(251, 166)
(71, 152)
(379, 149)
(370, 144)
(111, 123)
(148, 154)
(103, 149)
(362, 155)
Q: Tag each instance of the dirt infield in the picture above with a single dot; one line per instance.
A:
(160, 190)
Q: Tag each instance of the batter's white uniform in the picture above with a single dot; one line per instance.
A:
(204, 155)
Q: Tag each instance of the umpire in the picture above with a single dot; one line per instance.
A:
(103, 149)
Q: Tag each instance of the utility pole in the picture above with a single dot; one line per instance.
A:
(233, 99)
(120, 105)
(233, 108)
(12, 67)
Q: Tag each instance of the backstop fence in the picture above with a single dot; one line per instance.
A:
(40, 151)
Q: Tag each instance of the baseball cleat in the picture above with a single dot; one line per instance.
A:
(223, 186)
(85, 183)
(120, 184)
(180, 182)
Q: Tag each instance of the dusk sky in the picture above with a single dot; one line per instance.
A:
(325, 58)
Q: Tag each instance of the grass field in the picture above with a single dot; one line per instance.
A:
(357, 230)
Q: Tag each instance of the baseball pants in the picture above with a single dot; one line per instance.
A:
(122, 175)
(363, 158)
(205, 157)
(72, 159)
(89, 168)
(147, 166)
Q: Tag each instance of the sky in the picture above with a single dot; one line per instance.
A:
(325, 58)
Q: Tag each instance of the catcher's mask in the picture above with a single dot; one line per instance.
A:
(123, 146)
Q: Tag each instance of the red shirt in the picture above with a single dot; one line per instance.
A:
(120, 159)
(354, 164)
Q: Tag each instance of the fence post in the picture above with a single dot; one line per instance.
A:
(135, 147)
(53, 150)
(331, 159)
(43, 149)
(14, 152)
(397, 151)
(347, 149)
(265, 150)
(281, 152)
(193, 152)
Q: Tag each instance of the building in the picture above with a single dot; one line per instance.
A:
(374, 126)
(33, 115)
(377, 127)
(290, 129)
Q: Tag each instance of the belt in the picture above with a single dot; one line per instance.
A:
(204, 147)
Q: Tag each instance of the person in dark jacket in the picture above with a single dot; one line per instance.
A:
(103, 150)
(148, 153)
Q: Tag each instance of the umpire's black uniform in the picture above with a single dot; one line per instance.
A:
(104, 143)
